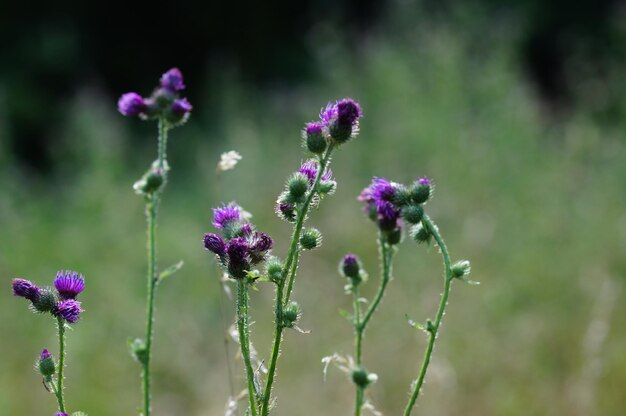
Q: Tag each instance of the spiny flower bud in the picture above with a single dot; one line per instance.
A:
(132, 104)
(45, 364)
(394, 236)
(297, 185)
(413, 214)
(362, 378)
(274, 269)
(420, 234)
(350, 266)
(421, 191)
(291, 314)
(402, 196)
(151, 181)
(310, 239)
(179, 112)
(342, 119)
(327, 187)
(26, 289)
(285, 210)
(313, 135)
(47, 302)
(172, 80)
(461, 269)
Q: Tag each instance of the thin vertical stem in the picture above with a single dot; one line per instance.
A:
(358, 341)
(244, 340)
(59, 386)
(292, 275)
(289, 274)
(151, 213)
(434, 328)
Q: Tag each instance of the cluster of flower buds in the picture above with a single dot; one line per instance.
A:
(238, 246)
(164, 103)
(299, 185)
(390, 204)
(61, 304)
(351, 268)
(339, 122)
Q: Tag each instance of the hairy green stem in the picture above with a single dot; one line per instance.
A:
(386, 254)
(59, 386)
(434, 328)
(244, 340)
(292, 275)
(152, 204)
(287, 272)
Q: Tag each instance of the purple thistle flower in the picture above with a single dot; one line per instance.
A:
(172, 80)
(26, 289)
(181, 107)
(132, 104)
(387, 215)
(310, 168)
(62, 414)
(226, 215)
(238, 252)
(382, 189)
(314, 127)
(424, 181)
(245, 230)
(350, 265)
(328, 114)
(45, 354)
(215, 243)
(348, 112)
(260, 244)
(286, 211)
(68, 309)
(69, 284)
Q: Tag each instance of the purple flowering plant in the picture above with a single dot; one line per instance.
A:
(62, 305)
(170, 110)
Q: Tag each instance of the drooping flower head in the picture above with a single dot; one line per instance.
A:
(26, 289)
(172, 80)
(69, 284)
(215, 243)
(68, 309)
(341, 119)
(226, 215)
(132, 104)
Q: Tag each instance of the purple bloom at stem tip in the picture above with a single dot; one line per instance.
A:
(424, 181)
(226, 215)
(69, 309)
(172, 80)
(215, 243)
(69, 284)
(387, 215)
(349, 260)
(131, 104)
(313, 128)
(26, 289)
(309, 169)
(181, 107)
(45, 354)
(348, 112)
(261, 242)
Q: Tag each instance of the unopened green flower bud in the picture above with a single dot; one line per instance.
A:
(274, 269)
(291, 314)
(413, 214)
(327, 187)
(421, 190)
(45, 364)
(394, 236)
(402, 196)
(419, 233)
(138, 350)
(362, 378)
(297, 185)
(310, 239)
(46, 302)
(314, 137)
(461, 269)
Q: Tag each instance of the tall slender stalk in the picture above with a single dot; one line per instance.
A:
(59, 386)
(244, 340)
(433, 328)
(290, 273)
(386, 254)
(152, 203)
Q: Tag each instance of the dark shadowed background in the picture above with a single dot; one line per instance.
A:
(517, 110)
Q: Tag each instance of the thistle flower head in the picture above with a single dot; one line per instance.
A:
(260, 244)
(215, 243)
(45, 364)
(68, 309)
(45, 354)
(348, 112)
(350, 266)
(387, 215)
(310, 168)
(132, 104)
(378, 197)
(69, 284)
(26, 289)
(172, 80)
(341, 119)
(424, 181)
(238, 252)
(179, 111)
(226, 215)
(286, 211)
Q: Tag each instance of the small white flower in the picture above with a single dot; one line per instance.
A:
(228, 161)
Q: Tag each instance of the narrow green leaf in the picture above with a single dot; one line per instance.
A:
(170, 270)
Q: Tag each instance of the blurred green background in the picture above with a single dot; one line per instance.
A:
(518, 115)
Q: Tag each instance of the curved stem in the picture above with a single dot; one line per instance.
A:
(386, 253)
(433, 329)
(244, 340)
(287, 268)
(59, 386)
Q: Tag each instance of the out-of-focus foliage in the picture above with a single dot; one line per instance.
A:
(537, 205)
